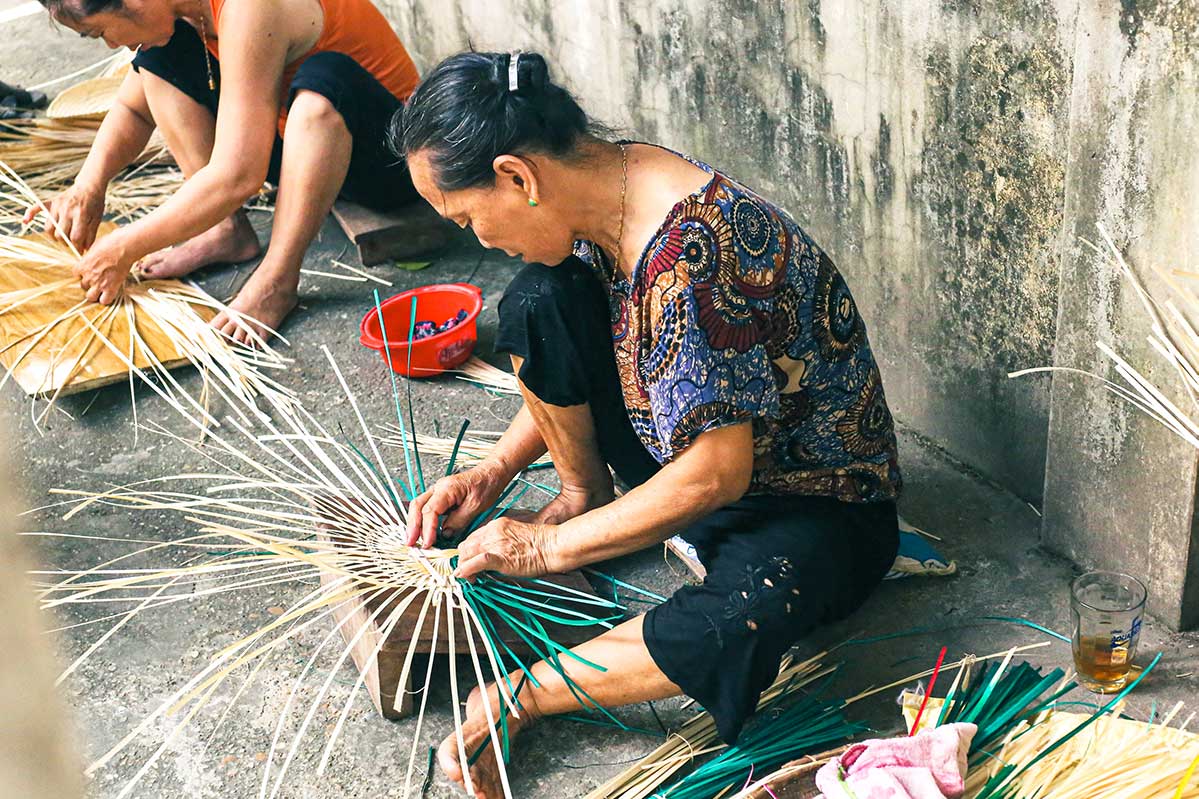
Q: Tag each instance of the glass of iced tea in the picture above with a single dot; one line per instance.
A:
(1107, 609)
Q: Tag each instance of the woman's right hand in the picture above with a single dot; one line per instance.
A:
(75, 215)
(460, 498)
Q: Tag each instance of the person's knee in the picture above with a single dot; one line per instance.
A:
(312, 109)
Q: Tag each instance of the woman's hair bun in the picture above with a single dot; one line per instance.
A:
(467, 112)
(532, 73)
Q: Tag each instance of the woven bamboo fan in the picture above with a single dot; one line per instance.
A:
(90, 99)
(53, 341)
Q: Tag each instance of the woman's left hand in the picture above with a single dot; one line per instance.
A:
(507, 546)
(103, 269)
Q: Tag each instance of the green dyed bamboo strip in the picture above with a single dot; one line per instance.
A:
(449, 469)
(395, 395)
(420, 472)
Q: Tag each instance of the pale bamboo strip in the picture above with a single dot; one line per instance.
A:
(1173, 336)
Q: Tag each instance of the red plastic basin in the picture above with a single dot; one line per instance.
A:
(437, 353)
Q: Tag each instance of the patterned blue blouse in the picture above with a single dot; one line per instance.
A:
(732, 315)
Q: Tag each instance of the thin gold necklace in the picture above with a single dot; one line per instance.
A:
(624, 185)
(207, 56)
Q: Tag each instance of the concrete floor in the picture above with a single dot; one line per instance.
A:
(992, 535)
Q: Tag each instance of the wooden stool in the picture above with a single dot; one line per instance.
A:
(407, 232)
(382, 661)
(384, 667)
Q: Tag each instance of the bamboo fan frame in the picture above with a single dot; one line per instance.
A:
(54, 342)
(287, 502)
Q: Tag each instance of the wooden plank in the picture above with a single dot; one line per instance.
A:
(408, 232)
(70, 358)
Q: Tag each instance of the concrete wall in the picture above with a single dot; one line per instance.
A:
(1121, 489)
(947, 153)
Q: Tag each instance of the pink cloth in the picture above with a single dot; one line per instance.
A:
(931, 765)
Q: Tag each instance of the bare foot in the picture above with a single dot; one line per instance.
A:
(229, 242)
(485, 773)
(261, 306)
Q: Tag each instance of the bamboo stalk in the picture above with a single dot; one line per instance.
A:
(1173, 336)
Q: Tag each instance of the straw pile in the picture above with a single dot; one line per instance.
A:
(285, 501)
(1174, 336)
(48, 154)
(52, 334)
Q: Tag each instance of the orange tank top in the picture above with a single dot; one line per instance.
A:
(357, 29)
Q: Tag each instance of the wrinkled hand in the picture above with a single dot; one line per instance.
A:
(74, 215)
(460, 498)
(103, 269)
(507, 546)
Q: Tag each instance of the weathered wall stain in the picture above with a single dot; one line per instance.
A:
(994, 186)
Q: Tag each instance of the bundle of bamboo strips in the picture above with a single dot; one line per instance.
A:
(475, 446)
(1115, 757)
(1025, 745)
(287, 502)
(698, 736)
(1175, 337)
(52, 334)
(481, 373)
(1111, 756)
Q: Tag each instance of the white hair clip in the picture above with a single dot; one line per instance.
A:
(513, 72)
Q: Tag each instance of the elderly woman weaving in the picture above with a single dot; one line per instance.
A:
(297, 91)
(694, 339)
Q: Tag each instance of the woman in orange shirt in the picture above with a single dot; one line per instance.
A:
(299, 92)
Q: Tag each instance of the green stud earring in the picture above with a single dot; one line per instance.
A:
(532, 203)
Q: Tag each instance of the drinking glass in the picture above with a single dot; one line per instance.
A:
(1107, 609)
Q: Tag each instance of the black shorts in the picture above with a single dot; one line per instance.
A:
(377, 178)
(778, 566)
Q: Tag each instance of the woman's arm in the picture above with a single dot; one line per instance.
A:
(122, 136)
(711, 473)
(459, 498)
(76, 213)
(255, 41)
